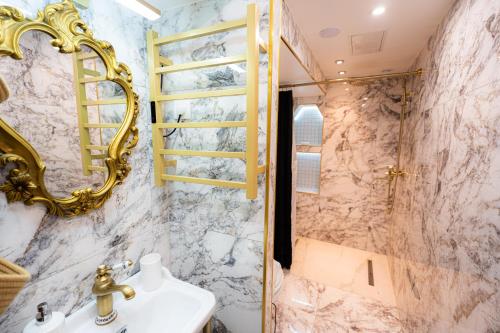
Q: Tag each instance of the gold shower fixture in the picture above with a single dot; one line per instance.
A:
(392, 172)
(356, 79)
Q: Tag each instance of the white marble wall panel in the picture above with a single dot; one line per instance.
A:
(217, 235)
(291, 34)
(360, 137)
(42, 108)
(308, 306)
(62, 254)
(444, 234)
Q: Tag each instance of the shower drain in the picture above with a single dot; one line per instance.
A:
(371, 280)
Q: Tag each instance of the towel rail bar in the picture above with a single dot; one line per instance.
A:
(159, 65)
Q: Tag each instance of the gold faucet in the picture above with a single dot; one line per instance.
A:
(104, 287)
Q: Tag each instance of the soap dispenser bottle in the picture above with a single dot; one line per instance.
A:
(46, 321)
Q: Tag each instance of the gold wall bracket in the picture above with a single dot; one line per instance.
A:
(159, 65)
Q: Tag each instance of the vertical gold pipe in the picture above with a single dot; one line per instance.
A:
(401, 123)
(402, 115)
(269, 251)
(154, 92)
(208, 326)
(104, 305)
(252, 152)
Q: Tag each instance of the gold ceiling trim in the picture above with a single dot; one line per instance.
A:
(25, 181)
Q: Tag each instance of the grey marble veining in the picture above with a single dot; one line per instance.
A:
(216, 234)
(444, 230)
(62, 254)
(209, 236)
(42, 108)
(305, 306)
(360, 137)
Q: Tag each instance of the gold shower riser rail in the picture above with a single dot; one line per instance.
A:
(159, 65)
(355, 79)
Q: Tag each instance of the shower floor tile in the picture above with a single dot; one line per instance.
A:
(327, 291)
(293, 320)
(305, 306)
(344, 268)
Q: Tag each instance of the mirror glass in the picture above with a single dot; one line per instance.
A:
(63, 106)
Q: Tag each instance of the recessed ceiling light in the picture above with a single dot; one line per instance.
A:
(339, 61)
(363, 105)
(365, 98)
(342, 72)
(345, 82)
(329, 32)
(346, 89)
(142, 7)
(378, 11)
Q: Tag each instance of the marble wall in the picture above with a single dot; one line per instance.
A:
(212, 237)
(291, 34)
(359, 141)
(50, 109)
(62, 254)
(360, 134)
(445, 239)
(217, 235)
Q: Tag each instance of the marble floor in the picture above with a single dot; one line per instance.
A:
(327, 290)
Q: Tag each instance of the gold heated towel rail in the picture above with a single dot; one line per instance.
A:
(158, 65)
(83, 76)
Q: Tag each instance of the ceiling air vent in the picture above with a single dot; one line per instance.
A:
(370, 42)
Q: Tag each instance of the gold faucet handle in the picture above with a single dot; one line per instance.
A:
(103, 270)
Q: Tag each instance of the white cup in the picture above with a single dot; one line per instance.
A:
(151, 272)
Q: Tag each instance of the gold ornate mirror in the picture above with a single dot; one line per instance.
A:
(68, 126)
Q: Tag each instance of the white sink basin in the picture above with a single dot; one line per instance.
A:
(175, 307)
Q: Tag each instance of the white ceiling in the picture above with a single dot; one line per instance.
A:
(408, 25)
(291, 71)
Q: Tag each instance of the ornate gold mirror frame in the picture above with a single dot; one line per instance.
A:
(25, 181)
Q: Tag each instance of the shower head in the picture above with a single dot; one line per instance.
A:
(4, 91)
